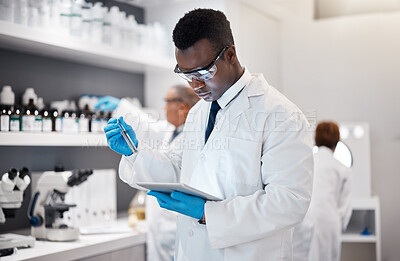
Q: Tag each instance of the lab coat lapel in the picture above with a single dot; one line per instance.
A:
(236, 111)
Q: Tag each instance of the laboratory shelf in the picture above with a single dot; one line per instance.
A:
(39, 42)
(357, 238)
(53, 139)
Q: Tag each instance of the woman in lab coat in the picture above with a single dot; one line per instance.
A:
(318, 236)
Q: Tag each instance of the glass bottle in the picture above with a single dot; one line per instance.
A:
(137, 208)
(47, 121)
(28, 117)
(83, 122)
(15, 119)
(56, 121)
(103, 121)
(5, 113)
(37, 126)
(95, 123)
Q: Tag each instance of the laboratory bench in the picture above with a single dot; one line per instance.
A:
(124, 245)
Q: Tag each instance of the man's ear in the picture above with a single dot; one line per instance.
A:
(231, 55)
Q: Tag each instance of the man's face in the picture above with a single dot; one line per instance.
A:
(173, 104)
(200, 55)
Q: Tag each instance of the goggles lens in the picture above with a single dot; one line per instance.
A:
(201, 75)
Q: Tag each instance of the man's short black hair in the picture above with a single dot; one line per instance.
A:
(203, 24)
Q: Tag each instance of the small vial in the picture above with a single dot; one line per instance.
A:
(103, 121)
(83, 122)
(5, 113)
(28, 118)
(15, 119)
(47, 121)
(37, 126)
(56, 121)
(95, 123)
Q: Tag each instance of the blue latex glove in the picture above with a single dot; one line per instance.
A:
(107, 103)
(180, 202)
(114, 137)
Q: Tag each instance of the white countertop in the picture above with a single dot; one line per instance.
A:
(85, 246)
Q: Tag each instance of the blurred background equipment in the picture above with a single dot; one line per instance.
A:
(48, 205)
(12, 187)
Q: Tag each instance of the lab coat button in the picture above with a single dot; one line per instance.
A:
(202, 156)
(191, 233)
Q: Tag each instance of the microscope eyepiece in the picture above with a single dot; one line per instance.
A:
(79, 176)
(12, 173)
(23, 172)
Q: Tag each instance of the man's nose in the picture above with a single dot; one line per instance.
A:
(196, 84)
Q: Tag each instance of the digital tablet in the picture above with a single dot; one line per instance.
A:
(181, 187)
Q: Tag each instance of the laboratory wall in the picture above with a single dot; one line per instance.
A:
(54, 80)
(347, 69)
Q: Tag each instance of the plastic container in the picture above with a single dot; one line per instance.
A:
(76, 18)
(107, 27)
(40, 103)
(7, 96)
(97, 23)
(29, 94)
(33, 14)
(43, 7)
(115, 20)
(55, 15)
(7, 10)
(86, 31)
(65, 17)
(21, 12)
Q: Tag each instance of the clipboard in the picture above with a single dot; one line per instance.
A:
(181, 187)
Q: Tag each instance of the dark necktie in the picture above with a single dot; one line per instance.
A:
(174, 134)
(211, 119)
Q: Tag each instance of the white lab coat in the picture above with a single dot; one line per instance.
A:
(318, 236)
(258, 159)
(161, 223)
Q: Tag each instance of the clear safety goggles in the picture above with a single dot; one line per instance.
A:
(202, 74)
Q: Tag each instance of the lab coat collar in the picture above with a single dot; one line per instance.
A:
(253, 88)
(230, 94)
(325, 150)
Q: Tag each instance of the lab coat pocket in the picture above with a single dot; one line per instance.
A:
(241, 161)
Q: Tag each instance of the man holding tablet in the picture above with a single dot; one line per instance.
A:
(243, 142)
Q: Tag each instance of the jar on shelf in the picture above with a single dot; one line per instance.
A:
(137, 208)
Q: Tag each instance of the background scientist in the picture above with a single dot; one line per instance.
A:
(243, 142)
(318, 236)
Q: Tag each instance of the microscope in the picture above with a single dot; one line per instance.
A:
(12, 186)
(47, 205)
